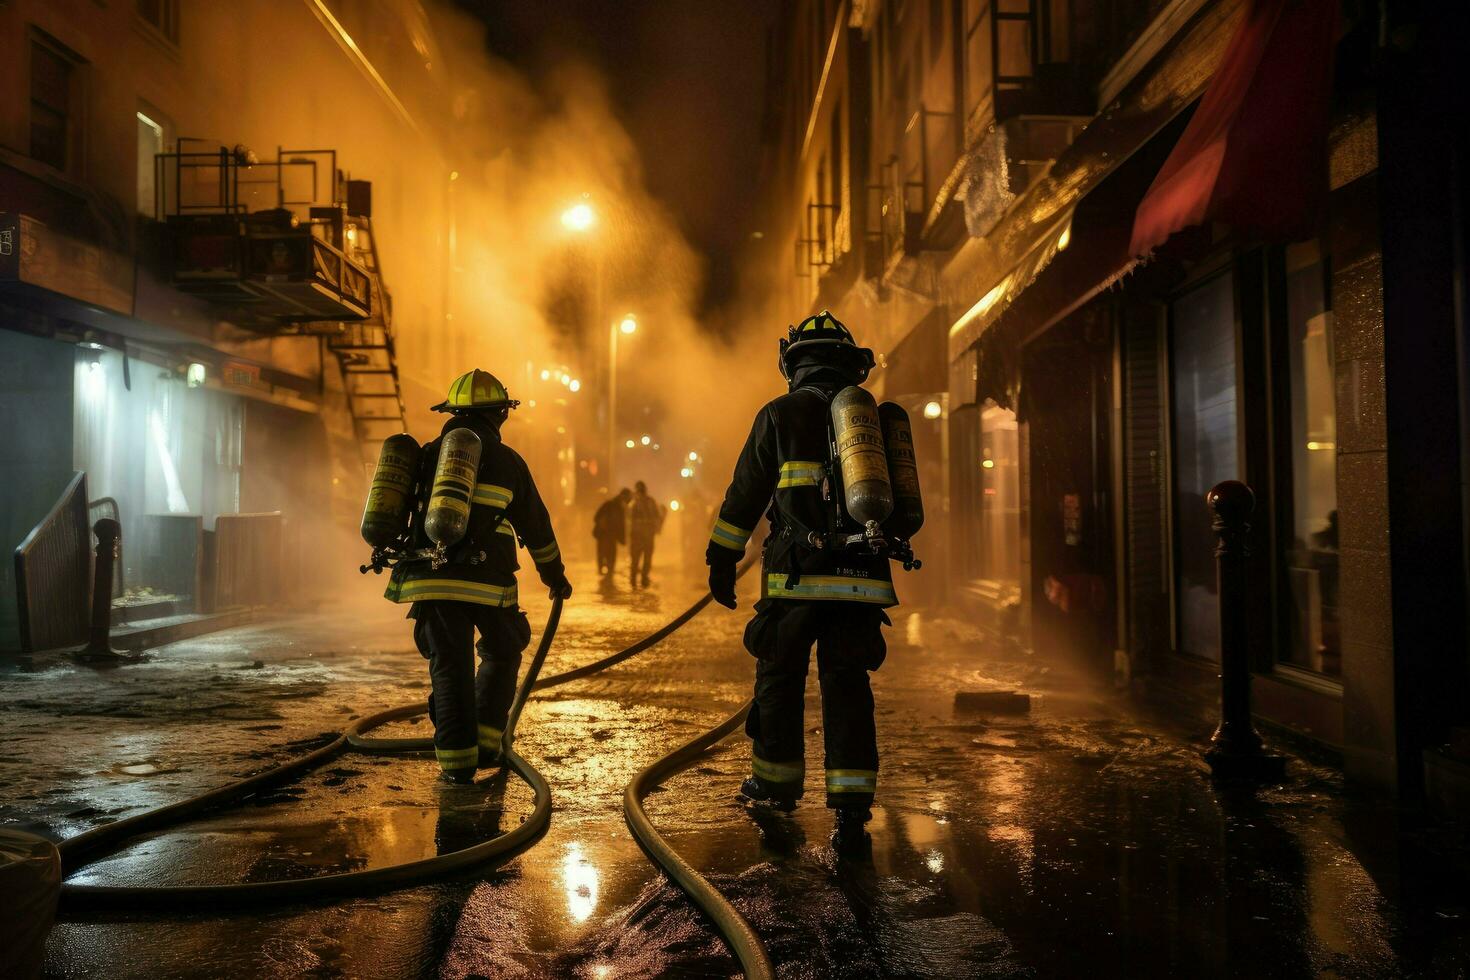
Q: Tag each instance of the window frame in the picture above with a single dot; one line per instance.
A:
(77, 102)
(1281, 515)
(1222, 264)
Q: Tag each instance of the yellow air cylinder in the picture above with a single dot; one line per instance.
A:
(448, 514)
(385, 517)
(903, 472)
(866, 492)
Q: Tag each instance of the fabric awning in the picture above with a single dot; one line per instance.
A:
(1254, 155)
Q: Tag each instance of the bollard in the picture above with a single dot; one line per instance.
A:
(99, 642)
(1236, 751)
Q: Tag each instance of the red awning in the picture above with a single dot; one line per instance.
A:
(1254, 156)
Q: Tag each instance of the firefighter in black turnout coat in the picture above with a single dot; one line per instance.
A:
(476, 589)
(808, 595)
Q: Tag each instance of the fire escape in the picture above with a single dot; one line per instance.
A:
(287, 246)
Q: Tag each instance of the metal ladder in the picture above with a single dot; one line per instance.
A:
(365, 351)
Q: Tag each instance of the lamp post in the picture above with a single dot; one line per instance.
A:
(580, 218)
(628, 325)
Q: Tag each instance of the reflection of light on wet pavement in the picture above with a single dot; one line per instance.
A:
(913, 630)
(579, 878)
(1005, 790)
(935, 861)
(602, 971)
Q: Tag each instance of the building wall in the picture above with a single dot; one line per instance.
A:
(1128, 73)
(36, 415)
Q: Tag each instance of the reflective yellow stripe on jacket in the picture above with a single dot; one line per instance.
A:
(490, 495)
(452, 590)
(545, 554)
(833, 587)
(727, 535)
(800, 473)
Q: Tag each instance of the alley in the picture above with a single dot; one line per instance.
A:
(1076, 838)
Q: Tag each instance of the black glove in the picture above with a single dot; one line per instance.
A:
(722, 583)
(559, 588)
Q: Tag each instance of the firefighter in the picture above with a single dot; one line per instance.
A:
(475, 591)
(809, 595)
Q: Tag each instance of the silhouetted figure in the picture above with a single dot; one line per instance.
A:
(609, 528)
(645, 520)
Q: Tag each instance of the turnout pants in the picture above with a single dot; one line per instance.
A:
(469, 710)
(849, 641)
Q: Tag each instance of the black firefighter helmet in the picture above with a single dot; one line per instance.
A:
(826, 336)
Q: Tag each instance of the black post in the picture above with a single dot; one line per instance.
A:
(99, 643)
(1235, 749)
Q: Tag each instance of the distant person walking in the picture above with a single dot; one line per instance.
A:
(609, 527)
(646, 519)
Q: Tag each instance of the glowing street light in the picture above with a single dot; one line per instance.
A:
(687, 472)
(646, 440)
(575, 385)
(933, 410)
(674, 505)
(579, 217)
(628, 324)
(693, 456)
(630, 443)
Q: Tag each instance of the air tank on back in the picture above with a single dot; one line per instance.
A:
(385, 517)
(867, 494)
(903, 472)
(448, 514)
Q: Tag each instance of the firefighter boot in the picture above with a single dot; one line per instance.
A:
(758, 790)
(849, 838)
(460, 777)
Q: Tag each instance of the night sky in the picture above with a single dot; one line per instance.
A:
(688, 81)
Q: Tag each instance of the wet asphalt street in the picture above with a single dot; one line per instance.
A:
(1079, 839)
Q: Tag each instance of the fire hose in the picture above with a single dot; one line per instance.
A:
(81, 850)
(85, 848)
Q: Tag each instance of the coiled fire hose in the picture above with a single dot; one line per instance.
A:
(81, 850)
(85, 848)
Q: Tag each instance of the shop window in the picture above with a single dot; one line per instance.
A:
(1310, 543)
(1203, 362)
(55, 103)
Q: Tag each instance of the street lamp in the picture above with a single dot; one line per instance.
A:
(627, 325)
(579, 217)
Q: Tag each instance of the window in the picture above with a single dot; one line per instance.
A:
(1206, 450)
(54, 84)
(150, 144)
(1310, 538)
(162, 16)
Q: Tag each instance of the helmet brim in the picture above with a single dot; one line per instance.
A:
(444, 406)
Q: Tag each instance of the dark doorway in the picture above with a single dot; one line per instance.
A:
(1066, 404)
